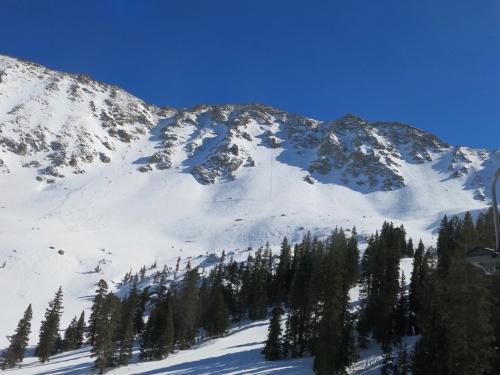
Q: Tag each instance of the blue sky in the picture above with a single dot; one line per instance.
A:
(431, 64)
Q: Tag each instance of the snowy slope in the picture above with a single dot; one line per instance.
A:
(112, 181)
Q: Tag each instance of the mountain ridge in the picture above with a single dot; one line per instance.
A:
(94, 119)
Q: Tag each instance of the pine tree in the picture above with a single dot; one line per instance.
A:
(49, 329)
(387, 360)
(446, 245)
(144, 299)
(158, 337)
(130, 308)
(485, 229)
(402, 365)
(353, 258)
(455, 307)
(70, 341)
(126, 344)
(467, 295)
(282, 279)
(380, 281)
(468, 320)
(273, 347)
(97, 306)
(301, 301)
(14, 354)
(80, 331)
(106, 320)
(186, 301)
(417, 278)
(410, 251)
(255, 287)
(218, 317)
(430, 355)
(401, 311)
(334, 347)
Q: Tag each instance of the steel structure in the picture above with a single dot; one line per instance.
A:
(482, 257)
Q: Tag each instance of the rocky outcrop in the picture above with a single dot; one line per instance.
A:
(66, 121)
(59, 124)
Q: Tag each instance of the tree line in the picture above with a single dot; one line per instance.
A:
(304, 289)
(170, 313)
(457, 306)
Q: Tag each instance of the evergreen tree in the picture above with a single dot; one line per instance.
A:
(282, 279)
(97, 306)
(387, 360)
(158, 337)
(446, 245)
(70, 341)
(300, 301)
(14, 354)
(203, 308)
(127, 329)
(334, 349)
(105, 322)
(232, 290)
(49, 329)
(218, 317)
(468, 321)
(273, 347)
(410, 251)
(126, 344)
(455, 307)
(186, 302)
(144, 299)
(255, 286)
(353, 258)
(80, 331)
(380, 281)
(417, 279)
(430, 355)
(485, 229)
(401, 313)
(402, 365)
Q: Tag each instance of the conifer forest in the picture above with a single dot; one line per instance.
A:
(304, 292)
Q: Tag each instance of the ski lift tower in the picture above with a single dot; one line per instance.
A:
(487, 259)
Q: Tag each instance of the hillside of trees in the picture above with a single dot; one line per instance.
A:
(304, 291)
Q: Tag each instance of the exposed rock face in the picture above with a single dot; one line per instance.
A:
(370, 154)
(65, 121)
(61, 124)
(351, 149)
(3, 167)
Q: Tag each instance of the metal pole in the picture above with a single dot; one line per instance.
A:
(487, 259)
(495, 208)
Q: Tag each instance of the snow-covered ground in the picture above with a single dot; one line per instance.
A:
(237, 353)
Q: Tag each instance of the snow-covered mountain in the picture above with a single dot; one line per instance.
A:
(93, 171)
(60, 123)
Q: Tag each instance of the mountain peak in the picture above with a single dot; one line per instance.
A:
(350, 118)
(60, 124)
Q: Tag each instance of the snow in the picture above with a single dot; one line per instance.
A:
(237, 353)
(129, 220)
(119, 218)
